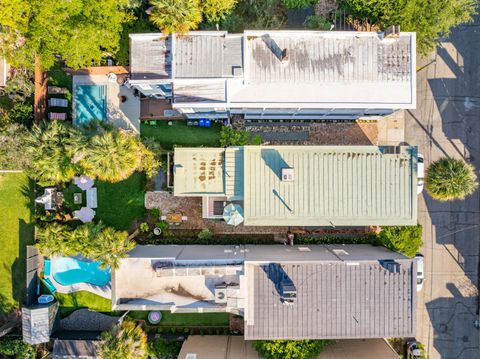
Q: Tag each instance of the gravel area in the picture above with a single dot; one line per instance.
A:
(85, 319)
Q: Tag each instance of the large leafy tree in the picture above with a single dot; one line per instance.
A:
(216, 10)
(52, 147)
(12, 148)
(113, 156)
(430, 19)
(176, 15)
(449, 179)
(94, 241)
(79, 31)
(126, 341)
(291, 349)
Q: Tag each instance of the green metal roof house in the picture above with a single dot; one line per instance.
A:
(305, 185)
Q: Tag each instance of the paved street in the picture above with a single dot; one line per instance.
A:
(447, 122)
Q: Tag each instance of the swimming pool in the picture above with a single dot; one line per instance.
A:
(90, 103)
(68, 271)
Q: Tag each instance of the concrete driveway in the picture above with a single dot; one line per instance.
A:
(447, 123)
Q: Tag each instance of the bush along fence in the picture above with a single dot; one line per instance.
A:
(403, 239)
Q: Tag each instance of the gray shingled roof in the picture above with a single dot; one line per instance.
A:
(334, 300)
(75, 349)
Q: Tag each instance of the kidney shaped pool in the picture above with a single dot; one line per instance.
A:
(68, 271)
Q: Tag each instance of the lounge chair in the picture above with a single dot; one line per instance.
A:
(48, 283)
(57, 116)
(92, 197)
(56, 90)
(58, 102)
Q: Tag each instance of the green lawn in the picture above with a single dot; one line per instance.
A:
(119, 204)
(182, 135)
(16, 231)
(58, 77)
(71, 302)
(187, 319)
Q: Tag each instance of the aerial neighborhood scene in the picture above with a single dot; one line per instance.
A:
(229, 179)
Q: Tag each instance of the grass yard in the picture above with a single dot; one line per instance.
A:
(58, 77)
(179, 134)
(16, 231)
(121, 203)
(187, 319)
(83, 299)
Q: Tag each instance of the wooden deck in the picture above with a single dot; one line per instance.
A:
(40, 97)
(151, 109)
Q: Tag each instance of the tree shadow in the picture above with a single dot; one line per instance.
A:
(453, 323)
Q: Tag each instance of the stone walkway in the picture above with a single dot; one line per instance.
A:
(85, 319)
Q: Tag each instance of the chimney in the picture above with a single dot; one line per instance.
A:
(284, 56)
(392, 31)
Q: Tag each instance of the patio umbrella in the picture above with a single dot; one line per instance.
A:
(85, 214)
(83, 182)
(233, 214)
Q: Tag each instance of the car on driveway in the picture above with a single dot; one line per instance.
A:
(420, 173)
(420, 271)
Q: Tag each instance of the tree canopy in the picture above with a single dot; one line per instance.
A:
(449, 179)
(59, 152)
(216, 10)
(78, 31)
(176, 15)
(403, 239)
(93, 241)
(126, 341)
(430, 19)
(291, 349)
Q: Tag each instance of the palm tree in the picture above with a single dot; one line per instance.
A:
(449, 178)
(111, 246)
(112, 156)
(176, 15)
(126, 341)
(54, 238)
(52, 147)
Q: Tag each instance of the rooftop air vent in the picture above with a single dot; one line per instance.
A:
(288, 174)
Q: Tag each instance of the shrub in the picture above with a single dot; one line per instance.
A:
(315, 22)
(15, 347)
(291, 349)
(156, 212)
(164, 348)
(298, 4)
(205, 234)
(404, 239)
(232, 137)
(144, 227)
(126, 341)
(163, 225)
(449, 178)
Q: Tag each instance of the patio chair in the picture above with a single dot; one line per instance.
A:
(58, 102)
(184, 218)
(57, 116)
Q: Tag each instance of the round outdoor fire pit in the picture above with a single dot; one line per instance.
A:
(157, 231)
(154, 317)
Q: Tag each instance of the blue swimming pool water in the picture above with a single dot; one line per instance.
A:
(90, 103)
(68, 271)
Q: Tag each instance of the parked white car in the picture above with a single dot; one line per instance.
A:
(420, 271)
(420, 173)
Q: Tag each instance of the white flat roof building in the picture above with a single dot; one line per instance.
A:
(360, 73)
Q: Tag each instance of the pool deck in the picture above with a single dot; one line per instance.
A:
(103, 291)
(124, 115)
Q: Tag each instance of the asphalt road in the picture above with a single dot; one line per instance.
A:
(447, 123)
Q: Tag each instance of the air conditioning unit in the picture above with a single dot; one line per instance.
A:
(221, 294)
(288, 174)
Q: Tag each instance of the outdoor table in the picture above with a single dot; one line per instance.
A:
(59, 199)
(77, 198)
(174, 218)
